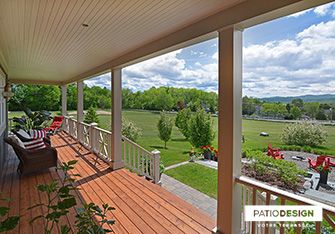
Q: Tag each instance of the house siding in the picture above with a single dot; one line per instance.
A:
(3, 120)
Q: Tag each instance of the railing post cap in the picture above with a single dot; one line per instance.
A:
(94, 124)
(71, 117)
(155, 151)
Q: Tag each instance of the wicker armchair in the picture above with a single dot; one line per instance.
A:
(34, 160)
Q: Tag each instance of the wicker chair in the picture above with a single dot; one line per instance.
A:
(34, 160)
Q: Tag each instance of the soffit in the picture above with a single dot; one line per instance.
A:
(44, 41)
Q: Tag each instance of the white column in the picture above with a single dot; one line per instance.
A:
(80, 110)
(230, 130)
(80, 101)
(64, 103)
(116, 141)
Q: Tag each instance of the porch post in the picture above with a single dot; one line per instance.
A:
(64, 102)
(116, 141)
(80, 101)
(80, 110)
(230, 130)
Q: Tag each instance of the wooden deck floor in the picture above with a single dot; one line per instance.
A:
(141, 207)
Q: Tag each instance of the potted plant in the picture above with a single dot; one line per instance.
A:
(324, 170)
(192, 155)
(207, 151)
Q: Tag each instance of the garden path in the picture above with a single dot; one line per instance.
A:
(188, 194)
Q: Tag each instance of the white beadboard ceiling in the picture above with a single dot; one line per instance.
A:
(57, 41)
(46, 40)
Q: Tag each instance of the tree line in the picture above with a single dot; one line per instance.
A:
(48, 97)
(295, 109)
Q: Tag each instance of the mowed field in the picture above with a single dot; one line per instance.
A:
(179, 148)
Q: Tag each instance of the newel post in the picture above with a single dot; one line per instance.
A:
(156, 169)
(93, 137)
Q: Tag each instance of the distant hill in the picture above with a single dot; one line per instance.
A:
(326, 98)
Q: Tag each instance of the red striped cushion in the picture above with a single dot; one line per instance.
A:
(35, 134)
(34, 144)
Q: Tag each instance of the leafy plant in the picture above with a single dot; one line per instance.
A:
(85, 218)
(304, 134)
(34, 120)
(10, 222)
(164, 126)
(201, 129)
(60, 200)
(182, 121)
(130, 130)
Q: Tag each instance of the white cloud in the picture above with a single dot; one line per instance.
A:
(299, 66)
(324, 9)
(296, 15)
(319, 11)
(292, 67)
(168, 70)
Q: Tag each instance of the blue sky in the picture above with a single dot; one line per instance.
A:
(290, 56)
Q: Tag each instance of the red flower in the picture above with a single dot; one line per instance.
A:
(325, 167)
(212, 148)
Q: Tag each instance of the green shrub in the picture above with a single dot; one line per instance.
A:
(201, 129)
(304, 134)
(164, 126)
(130, 130)
(182, 122)
(307, 149)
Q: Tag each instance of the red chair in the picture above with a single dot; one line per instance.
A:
(55, 125)
(274, 152)
(330, 162)
(319, 161)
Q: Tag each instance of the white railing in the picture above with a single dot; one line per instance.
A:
(140, 160)
(98, 141)
(251, 187)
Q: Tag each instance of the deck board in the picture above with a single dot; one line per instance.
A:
(141, 206)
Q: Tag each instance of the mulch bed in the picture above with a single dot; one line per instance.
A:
(271, 178)
(304, 165)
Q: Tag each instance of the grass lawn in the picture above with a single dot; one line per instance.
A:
(178, 147)
(197, 176)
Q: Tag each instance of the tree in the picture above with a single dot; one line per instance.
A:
(182, 121)
(288, 107)
(164, 126)
(296, 112)
(321, 115)
(91, 116)
(298, 102)
(130, 130)
(247, 106)
(273, 109)
(312, 108)
(201, 129)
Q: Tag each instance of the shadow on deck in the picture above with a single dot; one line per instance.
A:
(141, 206)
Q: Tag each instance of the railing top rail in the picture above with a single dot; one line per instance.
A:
(136, 145)
(103, 130)
(280, 193)
(85, 124)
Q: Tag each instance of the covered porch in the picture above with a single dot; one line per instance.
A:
(140, 206)
(59, 44)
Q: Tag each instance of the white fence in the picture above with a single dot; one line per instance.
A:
(98, 141)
